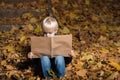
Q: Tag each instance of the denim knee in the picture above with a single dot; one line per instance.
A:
(59, 60)
(44, 58)
(46, 65)
(60, 65)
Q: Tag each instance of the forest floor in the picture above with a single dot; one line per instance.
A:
(94, 24)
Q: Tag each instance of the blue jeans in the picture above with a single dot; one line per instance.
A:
(59, 65)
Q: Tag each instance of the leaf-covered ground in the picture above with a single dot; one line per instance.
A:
(94, 24)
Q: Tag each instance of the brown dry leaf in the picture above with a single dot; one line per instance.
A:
(54, 10)
(27, 72)
(38, 78)
(95, 18)
(81, 72)
(9, 67)
(14, 28)
(10, 73)
(2, 4)
(27, 15)
(15, 56)
(76, 53)
(102, 38)
(32, 78)
(82, 42)
(113, 76)
(3, 62)
(117, 43)
(0, 33)
(30, 27)
(0, 68)
(18, 48)
(69, 67)
(94, 68)
(119, 50)
(75, 5)
(79, 65)
(96, 44)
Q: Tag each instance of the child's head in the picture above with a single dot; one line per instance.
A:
(50, 25)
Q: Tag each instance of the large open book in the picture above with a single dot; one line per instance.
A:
(51, 46)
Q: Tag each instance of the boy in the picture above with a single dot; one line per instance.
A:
(50, 28)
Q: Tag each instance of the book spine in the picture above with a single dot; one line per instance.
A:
(51, 47)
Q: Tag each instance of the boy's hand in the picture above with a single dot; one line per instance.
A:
(30, 55)
(50, 34)
(71, 53)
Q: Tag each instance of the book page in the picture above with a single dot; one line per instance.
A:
(51, 46)
(62, 45)
(40, 45)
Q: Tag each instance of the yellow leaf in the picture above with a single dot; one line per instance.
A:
(33, 20)
(0, 33)
(87, 2)
(115, 65)
(65, 30)
(22, 39)
(87, 57)
(75, 5)
(103, 27)
(38, 28)
(9, 48)
(99, 64)
(65, 2)
(73, 15)
(76, 53)
(104, 50)
(30, 27)
(117, 44)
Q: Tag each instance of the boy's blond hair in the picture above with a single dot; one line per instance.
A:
(50, 25)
